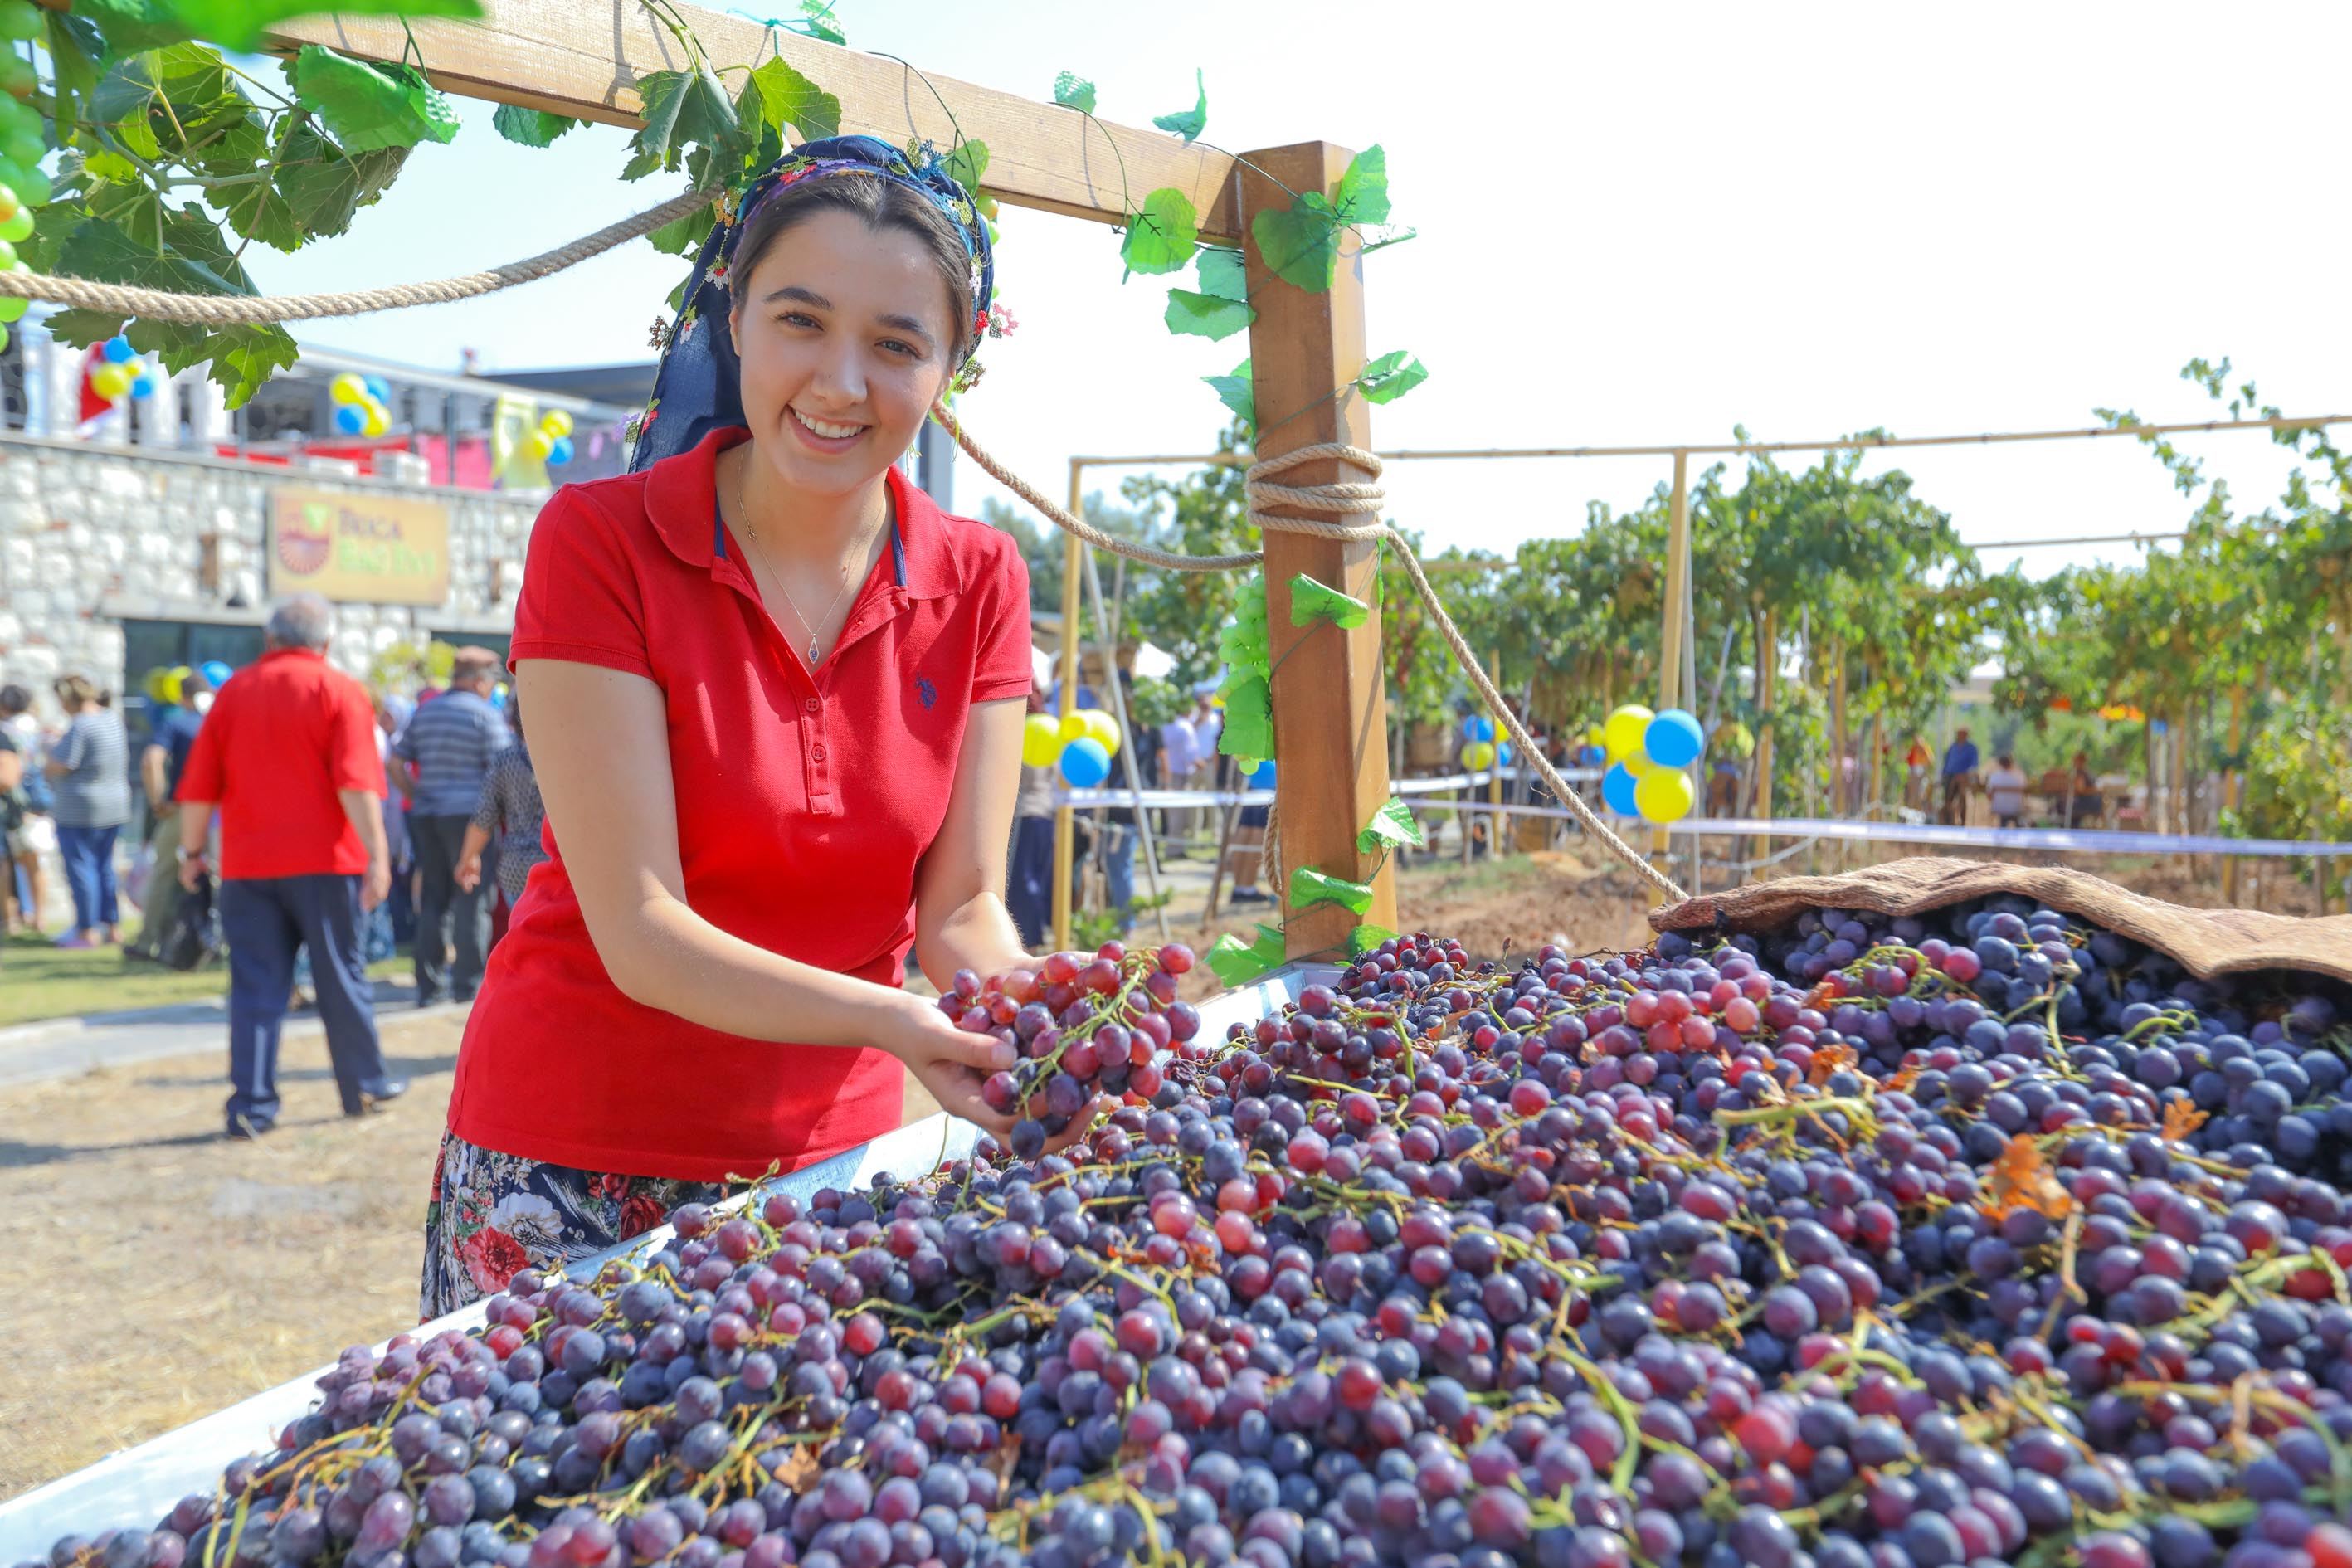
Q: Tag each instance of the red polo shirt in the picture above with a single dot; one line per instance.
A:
(280, 741)
(804, 801)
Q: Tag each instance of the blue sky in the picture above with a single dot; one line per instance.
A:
(1637, 223)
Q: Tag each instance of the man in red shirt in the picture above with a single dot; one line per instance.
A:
(288, 757)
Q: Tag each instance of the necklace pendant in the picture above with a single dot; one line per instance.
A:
(814, 658)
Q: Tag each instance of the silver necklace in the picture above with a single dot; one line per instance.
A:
(751, 535)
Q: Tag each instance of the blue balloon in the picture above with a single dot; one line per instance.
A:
(1264, 777)
(1478, 727)
(216, 672)
(1673, 739)
(1503, 754)
(1617, 791)
(560, 450)
(118, 350)
(379, 389)
(351, 418)
(144, 387)
(1085, 764)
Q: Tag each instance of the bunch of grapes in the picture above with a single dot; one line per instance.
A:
(1863, 1244)
(1085, 1025)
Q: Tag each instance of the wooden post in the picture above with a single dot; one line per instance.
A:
(2230, 787)
(1330, 704)
(1495, 774)
(1767, 659)
(1064, 825)
(1674, 652)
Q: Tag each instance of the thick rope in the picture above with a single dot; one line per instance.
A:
(1338, 499)
(238, 310)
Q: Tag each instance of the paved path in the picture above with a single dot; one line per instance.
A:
(63, 1048)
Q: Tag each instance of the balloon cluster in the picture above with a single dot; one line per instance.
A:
(1647, 753)
(120, 372)
(1081, 744)
(362, 404)
(551, 441)
(1480, 749)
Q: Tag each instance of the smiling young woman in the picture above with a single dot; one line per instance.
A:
(776, 701)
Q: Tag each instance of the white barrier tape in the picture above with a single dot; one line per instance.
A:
(1183, 799)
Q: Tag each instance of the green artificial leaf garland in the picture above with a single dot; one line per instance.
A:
(370, 108)
(1365, 938)
(1073, 91)
(681, 109)
(1249, 719)
(967, 166)
(1390, 377)
(1235, 391)
(1223, 275)
(1363, 195)
(530, 126)
(1205, 315)
(1188, 123)
(1237, 963)
(1161, 236)
(1310, 887)
(1312, 601)
(1391, 827)
(242, 25)
(791, 99)
(818, 21)
(1300, 243)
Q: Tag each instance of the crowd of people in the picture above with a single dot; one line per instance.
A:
(308, 823)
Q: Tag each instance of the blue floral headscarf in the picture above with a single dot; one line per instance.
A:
(697, 387)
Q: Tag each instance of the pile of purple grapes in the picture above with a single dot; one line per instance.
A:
(1873, 1243)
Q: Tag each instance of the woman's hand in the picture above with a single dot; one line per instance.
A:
(951, 1063)
(468, 875)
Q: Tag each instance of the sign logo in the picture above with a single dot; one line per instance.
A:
(354, 548)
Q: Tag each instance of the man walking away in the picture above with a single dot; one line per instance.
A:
(453, 740)
(1960, 778)
(160, 767)
(288, 757)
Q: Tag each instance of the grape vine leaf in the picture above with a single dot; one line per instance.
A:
(1392, 826)
(791, 99)
(260, 211)
(1073, 91)
(530, 126)
(1363, 195)
(818, 21)
(1390, 377)
(98, 249)
(1189, 122)
(325, 186)
(1300, 243)
(1162, 236)
(1365, 938)
(1310, 887)
(368, 108)
(131, 26)
(1205, 315)
(1222, 276)
(1249, 719)
(76, 58)
(681, 109)
(242, 25)
(967, 166)
(1312, 601)
(681, 236)
(1235, 392)
(132, 207)
(1237, 963)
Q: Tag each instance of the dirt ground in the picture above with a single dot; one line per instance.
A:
(161, 1273)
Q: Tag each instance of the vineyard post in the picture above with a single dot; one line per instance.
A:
(1495, 778)
(2229, 789)
(1065, 823)
(1331, 754)
(1671, 650)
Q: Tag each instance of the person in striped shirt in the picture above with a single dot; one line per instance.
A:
(453, 741)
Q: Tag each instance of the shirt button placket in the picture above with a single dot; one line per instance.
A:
(819, 788)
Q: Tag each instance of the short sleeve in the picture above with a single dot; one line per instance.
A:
(581, 598)
(73, 745)
(352, 744)
(1001, 665)
(201, 776)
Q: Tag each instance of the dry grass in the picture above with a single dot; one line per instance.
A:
(163, 1273)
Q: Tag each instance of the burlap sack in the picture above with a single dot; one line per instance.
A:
(2206, 942)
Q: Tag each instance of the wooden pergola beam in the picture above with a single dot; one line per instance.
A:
(583, 58)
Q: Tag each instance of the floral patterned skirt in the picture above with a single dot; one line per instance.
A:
(491, 1214)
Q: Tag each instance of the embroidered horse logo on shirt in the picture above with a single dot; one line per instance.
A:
(925, 691)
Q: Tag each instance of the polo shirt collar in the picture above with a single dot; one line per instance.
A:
(682, 502)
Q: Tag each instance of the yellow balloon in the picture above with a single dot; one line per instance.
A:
(557, 422)
(1637, 762)
(1041, 739)
(1664, 794)
(1102, 727)
(1594, 736)
(1071, 727)
(1478, 755)
(174, 691)
(379, 418)
(348, 387)
(1623, 733)
(109, 381)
